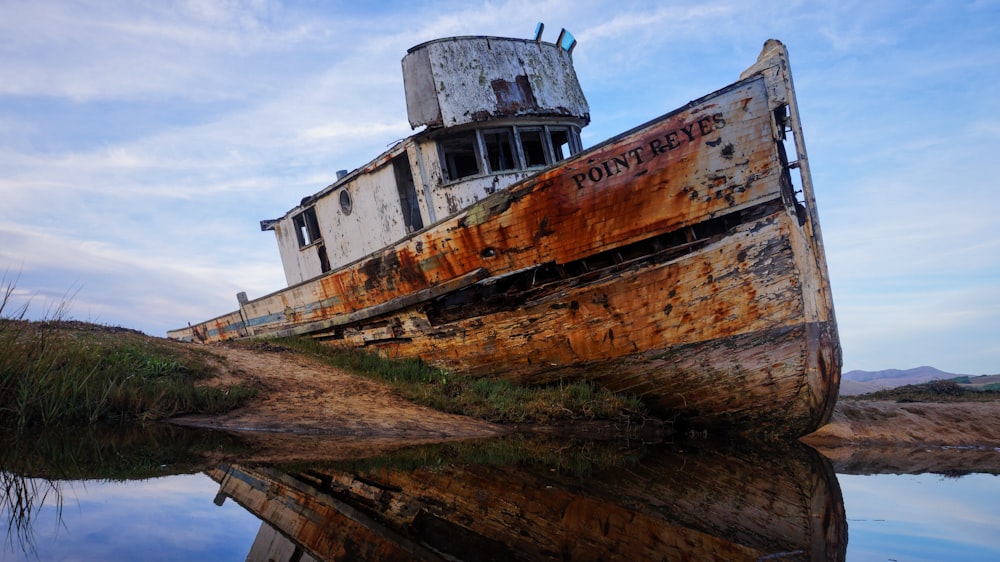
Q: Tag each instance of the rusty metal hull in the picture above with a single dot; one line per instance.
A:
(674, 261)
(695, 504)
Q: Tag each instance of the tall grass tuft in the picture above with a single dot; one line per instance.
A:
(57, 371)
(21, 500)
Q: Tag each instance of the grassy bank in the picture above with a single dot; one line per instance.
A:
(933, 391)
(59, 372)
(488, 399)
(77, 373)
(67, 372)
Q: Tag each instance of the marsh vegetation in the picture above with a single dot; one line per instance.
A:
(67, 372)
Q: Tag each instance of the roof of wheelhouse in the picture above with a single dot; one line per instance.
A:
(460, 80)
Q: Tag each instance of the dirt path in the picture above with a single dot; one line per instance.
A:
(303, 403)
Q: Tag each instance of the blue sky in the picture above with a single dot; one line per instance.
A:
(169, 518)
(921, 517)
(142, 142)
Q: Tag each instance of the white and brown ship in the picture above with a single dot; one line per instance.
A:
(680, 261)
(696, 502)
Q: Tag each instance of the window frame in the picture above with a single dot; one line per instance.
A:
(513, 133)
(515, 157)
(306, 225)
(446, 155)
(547, 155)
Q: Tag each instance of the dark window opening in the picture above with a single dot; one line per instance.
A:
(533, 147)
(306, 227)
(461, 159)
(500, 150)
(561, 147)
(507, 149)
(407, 194)
(324, 259)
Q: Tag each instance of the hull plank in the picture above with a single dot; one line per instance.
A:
(714, 337)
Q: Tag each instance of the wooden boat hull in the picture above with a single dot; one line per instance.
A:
(674, 261)
(691, 504)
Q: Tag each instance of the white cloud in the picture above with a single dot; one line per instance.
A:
(140, 143)
(170, 518)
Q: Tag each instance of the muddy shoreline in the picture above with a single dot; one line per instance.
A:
(866, 437)
(307, 408)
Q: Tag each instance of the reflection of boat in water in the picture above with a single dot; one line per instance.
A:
(676, 261)
(696, 503)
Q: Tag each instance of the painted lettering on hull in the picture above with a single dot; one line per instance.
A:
(650, 150)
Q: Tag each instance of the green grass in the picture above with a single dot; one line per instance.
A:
(65, 372)
(490, 399)
(60, 372)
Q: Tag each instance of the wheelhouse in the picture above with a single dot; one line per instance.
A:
(493, 111)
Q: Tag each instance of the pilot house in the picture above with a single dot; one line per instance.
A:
(493, 111)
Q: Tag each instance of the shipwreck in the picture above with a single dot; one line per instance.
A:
(681, 261)
(696, 503)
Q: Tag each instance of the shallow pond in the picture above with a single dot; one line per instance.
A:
(528, 498)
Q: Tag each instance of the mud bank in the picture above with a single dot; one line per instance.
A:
(303, 401)
(867, 437)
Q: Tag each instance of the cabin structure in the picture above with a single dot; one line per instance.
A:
(493, 111)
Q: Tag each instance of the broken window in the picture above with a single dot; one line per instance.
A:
(506, 149)
(500, 150)
(306, 227)
(561, 146)
(460, 155)
(533, 147)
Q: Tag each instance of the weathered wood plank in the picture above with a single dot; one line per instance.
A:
(716, 336)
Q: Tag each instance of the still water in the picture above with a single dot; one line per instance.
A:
(517, 498)
(922, 517)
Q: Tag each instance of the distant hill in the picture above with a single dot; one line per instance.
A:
(982, 382)
(861, 382)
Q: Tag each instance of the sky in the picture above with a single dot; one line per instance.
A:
(921, 517)
(167, 518)
(141, 142)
